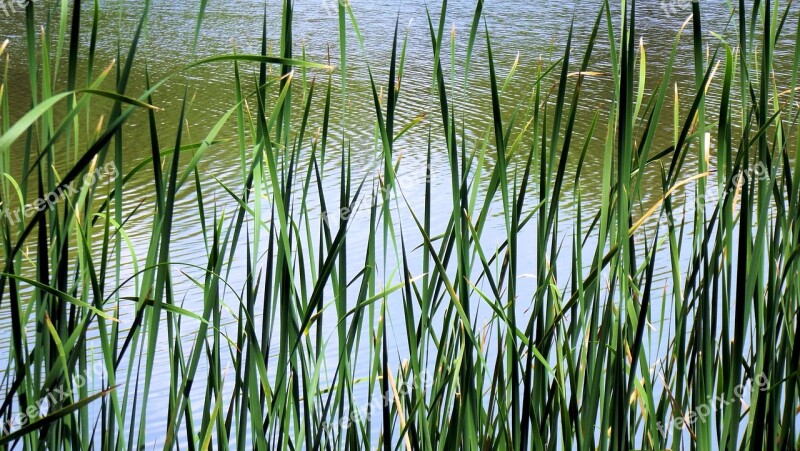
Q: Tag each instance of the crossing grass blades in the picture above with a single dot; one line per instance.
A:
(602, 357)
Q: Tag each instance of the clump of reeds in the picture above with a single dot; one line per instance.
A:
(602, 357)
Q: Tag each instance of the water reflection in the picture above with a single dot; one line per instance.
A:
(533, 32)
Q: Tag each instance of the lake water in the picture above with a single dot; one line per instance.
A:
(533, 31)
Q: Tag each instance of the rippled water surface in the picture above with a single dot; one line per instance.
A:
(535, 32)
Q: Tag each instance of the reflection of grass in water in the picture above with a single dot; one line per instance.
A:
(584, 361)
